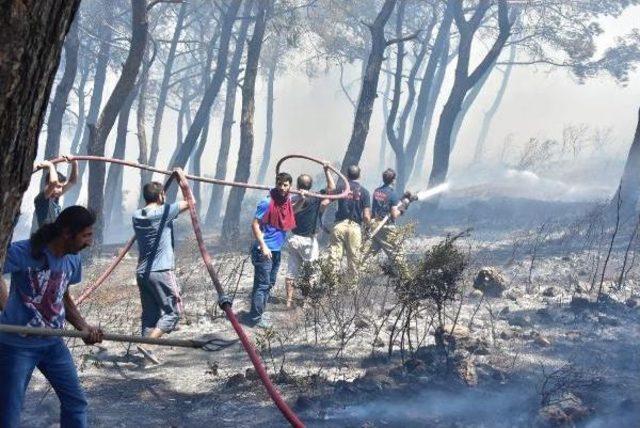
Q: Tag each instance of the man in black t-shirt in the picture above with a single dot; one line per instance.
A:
(351, 214)
(302, 245)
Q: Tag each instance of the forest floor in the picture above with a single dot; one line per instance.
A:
(541, 353)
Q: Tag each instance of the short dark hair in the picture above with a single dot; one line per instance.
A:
(73, 219)
(305, 181)
(353, 172)
(388, 176)
(151, 191)
(284, 177)
(61, 177)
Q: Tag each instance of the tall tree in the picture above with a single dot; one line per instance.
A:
(211, 92)
(368, 92)
(59, 103)
(268, 138)
(196, 157)
(629, 189)
(417, 167)
(217, 193)
(113, 187)
(396, 124)
(141, 116)
(427, 95)
(487, 119)
(100, 77)
(231, 221)
(164, 89)
(30, 44)
(124, 86)
(463, 80)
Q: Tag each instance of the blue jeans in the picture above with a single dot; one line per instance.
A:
(265, 271)
(56, 364)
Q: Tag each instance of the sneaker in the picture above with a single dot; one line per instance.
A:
(264, 324)
(149, 355)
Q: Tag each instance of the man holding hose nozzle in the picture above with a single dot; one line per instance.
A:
(42, 269)
(386, 207)
(159, 293)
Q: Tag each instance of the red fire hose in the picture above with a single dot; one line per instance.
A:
(223, 300)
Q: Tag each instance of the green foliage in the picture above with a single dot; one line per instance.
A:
(435, 278)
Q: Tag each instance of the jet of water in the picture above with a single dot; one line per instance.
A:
(429, 193)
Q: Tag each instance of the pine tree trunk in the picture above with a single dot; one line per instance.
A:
(204, 110)
(266, 152)
(30, 44)
(491, 112)
(141, 124)
(231, 221)
(424, 96)
(59, 103)
(121, 91)
(369, 90)
(164, 91)
(629, 188)
(464, 80)
(421, 158)
(77, 133)
(217, 193)
(113, 188)
(99, 79)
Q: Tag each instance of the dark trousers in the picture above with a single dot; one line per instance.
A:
(161, 302)
(265, 271)
(55, 363)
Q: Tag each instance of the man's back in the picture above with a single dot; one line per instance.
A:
(46, 209)
(307, 216)
(384, 198)
(352, 208)
(153, 227)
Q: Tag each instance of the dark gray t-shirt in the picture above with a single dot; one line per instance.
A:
(47, 210)
(154, 233)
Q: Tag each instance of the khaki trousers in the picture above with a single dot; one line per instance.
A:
(346, 237)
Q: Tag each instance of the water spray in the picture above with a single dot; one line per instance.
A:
(407, 199)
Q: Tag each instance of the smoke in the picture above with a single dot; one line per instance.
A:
(506, 407)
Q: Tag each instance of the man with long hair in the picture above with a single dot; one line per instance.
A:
(42, 269)
(274, 217)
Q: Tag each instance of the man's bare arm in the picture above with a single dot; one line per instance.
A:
(299, 204)
(395, 212)
(183, 205)
(72, 314)
(53, 177)
(4, 293)
(367, 215)
(73, 177)
(257, 233)
(331, 186)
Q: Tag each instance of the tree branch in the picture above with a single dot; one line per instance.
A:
(404, 39)
(155, 2)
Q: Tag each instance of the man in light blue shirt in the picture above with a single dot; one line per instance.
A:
(274, 217)
(159, 293)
